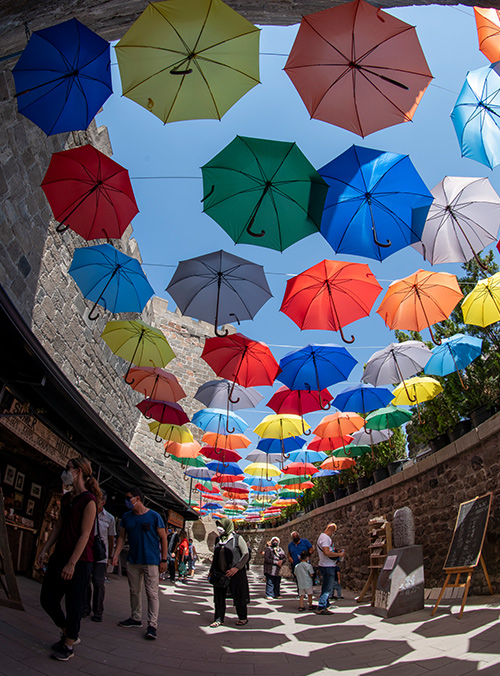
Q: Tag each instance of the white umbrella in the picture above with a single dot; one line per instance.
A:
(396, 362)
(370, 437)
(463, 219)
(260, 456)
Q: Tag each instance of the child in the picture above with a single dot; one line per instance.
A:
(336, 586)
(304, 574)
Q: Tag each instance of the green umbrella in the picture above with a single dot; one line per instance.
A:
(192, 462)
(387, 418)
(292, 479)
(351, 451)
(263, 192)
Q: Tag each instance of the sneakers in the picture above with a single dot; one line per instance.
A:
(62, 641)
(270, 598)
(130, 623)
(150, 633)
(62, 653)
(324, 611)
(96, 618)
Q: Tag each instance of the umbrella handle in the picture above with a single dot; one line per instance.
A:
(345, 341)
(223, 334)
(254, 234)
(93, 317)
(436, 341)
(62, 228)
(181, 72)
(229, 431)
(159, 439)
(129, 382)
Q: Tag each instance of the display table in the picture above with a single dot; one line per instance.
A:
(22, 541)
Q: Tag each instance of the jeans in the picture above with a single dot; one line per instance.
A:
(329, 574)
(171, 567)
(336, 588)
(273, 585)
(136, 573)
(94, 598)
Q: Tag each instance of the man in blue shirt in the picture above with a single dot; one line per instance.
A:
(145, 531)
(295, 549)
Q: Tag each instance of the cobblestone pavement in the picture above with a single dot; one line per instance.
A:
(277, 640)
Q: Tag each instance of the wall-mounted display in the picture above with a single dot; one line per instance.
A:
(10, 475)
(36, 491)
(19, 481)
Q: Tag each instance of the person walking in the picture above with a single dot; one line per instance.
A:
(182, 556)
(191, 558)
(105, 528)
(327, 564)
(70, 566)
(145, 531)
(295, 549)
(304, 573)
(228, 571)
(274, 557)
(173, 543)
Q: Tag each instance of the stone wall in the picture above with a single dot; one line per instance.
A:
(433, 488)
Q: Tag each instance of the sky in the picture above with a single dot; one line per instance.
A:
(164, 164)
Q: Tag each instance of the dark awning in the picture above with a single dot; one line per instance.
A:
(31, 375)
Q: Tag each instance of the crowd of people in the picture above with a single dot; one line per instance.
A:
(83, 543)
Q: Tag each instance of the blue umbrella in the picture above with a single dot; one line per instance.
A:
(216, 420)
(63, 77)
(315, 367)
(376, 203)
(281, 445)
(229, 468)
(262, 482)
(363, 398)
(326, 472)
(453, 354)
(111, 279)
(306, 455)
(476, 116)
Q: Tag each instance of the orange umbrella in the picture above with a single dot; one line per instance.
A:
(339, 425)
(228, 441)
(488, 32)
(155, 383)
(358, 68)
(187, 450)
(337, 463)
(420, 300)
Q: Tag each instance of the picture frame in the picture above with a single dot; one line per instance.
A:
(30, 508)
(36, 491)
(18, 501)
(10, 475)
(19, 482)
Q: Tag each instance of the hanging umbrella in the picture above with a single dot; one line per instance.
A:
(188, 462)
(230, 469)
(416, 390)
(325, 444)
(156, 383)
(240, 359)
(307, 456)
(188, 59)
(63, 77)
(330, 295)
(387, 418)
(215, 394)
(488, 32)
(351, 451)
(475, 116)
(338, 463)
(138, 343)
(207, 487)
(362, 398)
(221, 454)
(463, 219)
(260, 483)
(229, 441)
(297, 402)
(262, 470)
(301, 482)
(89, 193)
(453, 354)
(326, 472)
(371, 437)
(109, 278)
(164, 412)
(396, 362)
(420, 300)
(285, 502)
(215, 420)
(260, 456)
(177, 433)
(190, 449)
(315, 367)
(221, 477)
(358, 67)
(376, 203)
(300, 468)
(481, 306)
(285, 445)
(281, 426)
(219, 288)
(339, 424)
(199, 473)
(263, 192)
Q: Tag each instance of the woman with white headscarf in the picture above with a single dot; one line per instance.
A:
(273, 560)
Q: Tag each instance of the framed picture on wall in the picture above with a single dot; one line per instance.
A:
(30, 508)
(10, 475)
(36, 491)
(19, 481)
(18, 501)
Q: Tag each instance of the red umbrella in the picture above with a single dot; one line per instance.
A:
(220, 477)
(300, 468)
(298, 402)
(330, 295)
(222, 454)
(155, 383)
(89, 193)
(204, 489)
(163, 411)
(325, 444)
(240, 359)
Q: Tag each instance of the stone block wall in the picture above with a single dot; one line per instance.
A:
(433, 488)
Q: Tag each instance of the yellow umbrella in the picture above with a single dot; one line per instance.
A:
(262, 469)
(138, 343)
(281, 426)
(482, 305)
(416, 390)
(177, 433)
(188, 59)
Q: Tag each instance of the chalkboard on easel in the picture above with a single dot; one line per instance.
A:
(469, 533)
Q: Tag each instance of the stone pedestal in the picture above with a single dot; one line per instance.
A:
(400, 587)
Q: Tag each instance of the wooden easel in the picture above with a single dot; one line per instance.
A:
(8, 582)
(471, 547)
(380, 541)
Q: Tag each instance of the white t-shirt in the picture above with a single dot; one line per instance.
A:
(325, 561)
(107, 528)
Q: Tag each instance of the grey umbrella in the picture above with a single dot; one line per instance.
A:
(215, 394)
(371, 437)
(219, 288)
(396, 362)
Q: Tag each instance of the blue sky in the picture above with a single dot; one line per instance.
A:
(171, 225)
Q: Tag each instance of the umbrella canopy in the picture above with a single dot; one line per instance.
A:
(306, 455)
(334, 463)
(453, 354)
(420, 300)
(280, 426)
(264, 470)
(330, 295)
(188, 462)
(351, 451)
(164, 412)
(215, 394)
(475, 116)
(229, 441)
(227, 468)
(325, 444)
(419, 389)
(371, 437)
(488, 32)
(187, 450)
(263, 192)
(297, 402)
(221, 454)
(89, 193)
(199, 473)
(260, 456)
(109, 278)
(138, 343)
(156, 383)
(285, 445)
(339, 424)
(218, 288)
(396, 362)
(300, 468)
(215, 420)
(301, 482)
(376, 203)
(358, 67)
(481, 306)
(221, 476)
(387, 418)
(463, 219)
(362, 398)
(63, 77)
(188, 59)
(326, 472)
(177, 433)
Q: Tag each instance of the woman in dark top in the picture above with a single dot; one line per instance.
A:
(230, 558)
(70, 566)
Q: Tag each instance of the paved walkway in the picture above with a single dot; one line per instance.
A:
(277, 640)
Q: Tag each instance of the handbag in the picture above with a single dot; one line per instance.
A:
(99, 547)
(285, 571)
(219, 579)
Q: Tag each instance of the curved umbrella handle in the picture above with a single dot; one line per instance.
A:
(129, 382)
(436, 341)
(254, 234)
(62, 228)
(181, 72)
(229, 431)
(159, 440)
(308, 432)
(223, 334)
(93, 317)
